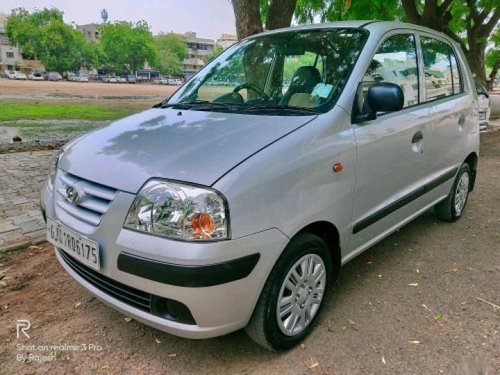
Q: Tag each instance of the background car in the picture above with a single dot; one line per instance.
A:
(131, 78)
(121, 79)
(484, 106)
(20, 76)
(54, 76)
(35, 76)
(162, 81)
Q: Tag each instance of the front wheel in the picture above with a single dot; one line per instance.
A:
(293, 295)
(452, 208)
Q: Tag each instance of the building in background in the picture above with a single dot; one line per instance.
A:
(198, 48)
(11, 58)
(227, 40)
(91, 31)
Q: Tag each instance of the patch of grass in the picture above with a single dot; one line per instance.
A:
(19, 110)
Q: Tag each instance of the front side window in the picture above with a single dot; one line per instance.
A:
(395, 62)
(442, 77)
(285, 73)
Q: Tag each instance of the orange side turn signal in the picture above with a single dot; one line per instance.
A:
(337, 167)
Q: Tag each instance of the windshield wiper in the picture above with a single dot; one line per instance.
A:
(285, 109)
(201, 105)
(183, 105)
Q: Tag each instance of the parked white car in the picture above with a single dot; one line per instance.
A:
(35, 76)
(484, 106)
(229, 207)
(20, 76)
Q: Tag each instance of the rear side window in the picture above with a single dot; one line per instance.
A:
(442, 76)
(396, 62)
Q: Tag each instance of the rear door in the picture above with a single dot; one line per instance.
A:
(451, 110)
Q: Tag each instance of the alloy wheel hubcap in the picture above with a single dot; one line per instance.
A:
(301, 294)
(461, 193)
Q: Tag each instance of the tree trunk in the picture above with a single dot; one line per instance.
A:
(248, 20)
(493, 75)
(280, 14)
(475, 58)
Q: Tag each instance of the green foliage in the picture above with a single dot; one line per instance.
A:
(26, 30)
(493, 55)
(127, 46)
(63, 48)
(308, 11)
(19, 110)
(44, 35)
(216, 52)
(172, 50)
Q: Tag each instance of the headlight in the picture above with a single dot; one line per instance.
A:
(179, 211)
(53, 167)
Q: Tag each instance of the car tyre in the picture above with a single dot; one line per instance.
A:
(306, 265)
(452, 208)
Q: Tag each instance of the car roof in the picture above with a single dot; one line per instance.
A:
(375, 27)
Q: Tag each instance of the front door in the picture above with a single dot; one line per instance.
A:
(390, 149)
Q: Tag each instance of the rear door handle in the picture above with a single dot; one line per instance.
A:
(417, 137)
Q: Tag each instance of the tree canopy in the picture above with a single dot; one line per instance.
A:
(216, 52)
(470, 22)
(127, 46)
(172, 49)
(44, 35)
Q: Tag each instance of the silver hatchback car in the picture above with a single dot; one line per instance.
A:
(234, 203)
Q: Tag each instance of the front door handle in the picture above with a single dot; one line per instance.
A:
(417, 137)
(461, 120)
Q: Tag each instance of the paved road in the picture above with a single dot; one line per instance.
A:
(21, 178)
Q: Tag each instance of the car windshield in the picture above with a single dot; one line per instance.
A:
(291, 73)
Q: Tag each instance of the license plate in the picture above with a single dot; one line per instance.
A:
(80, 248)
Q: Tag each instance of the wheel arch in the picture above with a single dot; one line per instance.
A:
(329, 233)
(472, 160)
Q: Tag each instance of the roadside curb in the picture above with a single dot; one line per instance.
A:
(22, 245)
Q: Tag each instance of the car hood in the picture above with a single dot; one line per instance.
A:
(191, 146)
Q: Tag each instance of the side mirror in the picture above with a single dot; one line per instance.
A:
(381, 97)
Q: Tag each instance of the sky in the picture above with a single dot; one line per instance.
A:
(209, 18)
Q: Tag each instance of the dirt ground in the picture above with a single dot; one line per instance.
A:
(409, 305)
(14, 87)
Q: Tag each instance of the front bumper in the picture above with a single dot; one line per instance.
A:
(218, 282)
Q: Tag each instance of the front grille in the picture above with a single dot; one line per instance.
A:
(131, 296)
(95, 203)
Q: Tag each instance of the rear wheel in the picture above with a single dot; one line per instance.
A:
(452, 208)
(293, 295)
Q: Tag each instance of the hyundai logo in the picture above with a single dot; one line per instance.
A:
(75, 194)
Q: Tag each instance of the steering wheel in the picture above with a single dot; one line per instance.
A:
(253, 88)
